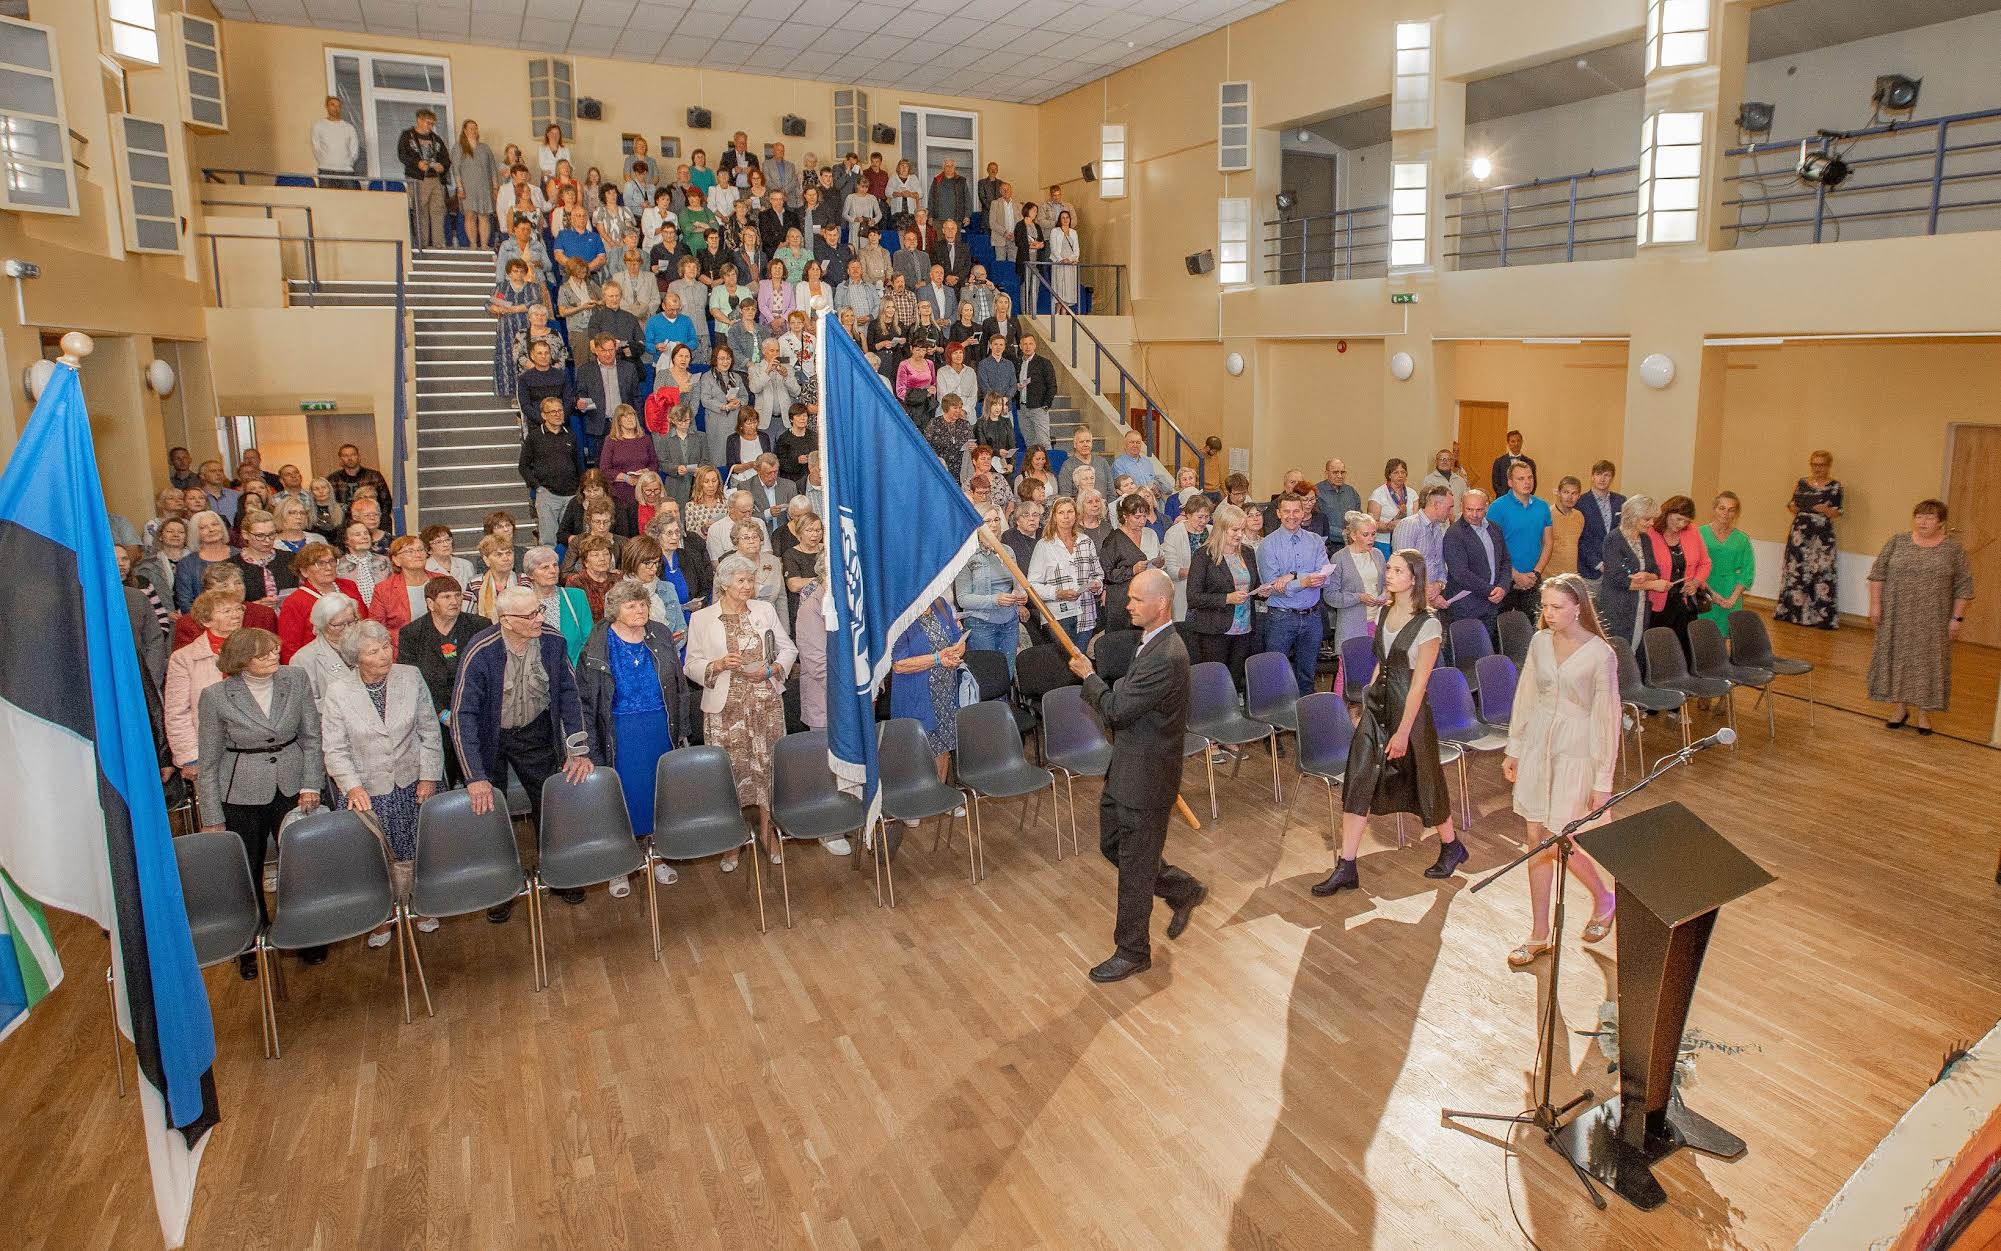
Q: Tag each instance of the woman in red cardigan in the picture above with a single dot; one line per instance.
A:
(314, 564)
(1684, 562)
(399, 598)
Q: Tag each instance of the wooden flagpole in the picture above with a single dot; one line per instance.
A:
(1057, 632)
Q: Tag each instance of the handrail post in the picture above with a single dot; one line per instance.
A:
(312, 253)
(1820, 196)
(398, 441)
(1507, 195)
(1570, 226)
(215, 266)
(1305, 229)
(1348, 252)
(1938, 178)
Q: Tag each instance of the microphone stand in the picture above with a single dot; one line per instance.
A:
(1546, 1115)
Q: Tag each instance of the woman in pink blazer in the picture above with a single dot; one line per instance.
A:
(1684, 562)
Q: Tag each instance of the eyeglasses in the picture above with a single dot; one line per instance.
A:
(521, 616)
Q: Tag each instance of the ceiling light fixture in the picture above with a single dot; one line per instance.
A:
(1481, 168)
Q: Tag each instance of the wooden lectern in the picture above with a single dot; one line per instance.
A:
(1673, 873)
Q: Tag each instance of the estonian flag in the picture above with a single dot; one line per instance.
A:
(84, 824)
(898, 530)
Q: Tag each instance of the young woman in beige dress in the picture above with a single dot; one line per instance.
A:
(1563, 746)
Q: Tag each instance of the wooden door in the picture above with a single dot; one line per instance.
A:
(1974, 498)
(325, 432)
(1483, 439)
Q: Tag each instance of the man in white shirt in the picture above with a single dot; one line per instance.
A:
(518, 195)
(336, 147)
(722, 534)
(1002, 214)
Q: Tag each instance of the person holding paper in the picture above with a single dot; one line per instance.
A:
(1294, 561)
(1222, 586)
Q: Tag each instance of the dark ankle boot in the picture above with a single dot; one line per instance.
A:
(1450, 856)
(1344, 877)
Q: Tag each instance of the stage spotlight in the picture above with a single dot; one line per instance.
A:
(1754, 117)
(1822, 168)
(1896, 93)
(1481, 168)
(1286, 199)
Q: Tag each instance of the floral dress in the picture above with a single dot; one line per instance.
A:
(752, 719)
(512, 326)
(1807, 587)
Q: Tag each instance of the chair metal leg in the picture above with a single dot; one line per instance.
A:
(266, 965)
(1771, 715)
(757, 877)
(888, 866)
(784, 881)
(1209, 763)
(1285, 822)
(1730, 711)
(408, 930)
(1333, 817)
(1686, 722)
(652, 902)
(1465, 793)
(977, 830)
(538, 966)
(1276, 793)
(402, 923)
(117, 1048)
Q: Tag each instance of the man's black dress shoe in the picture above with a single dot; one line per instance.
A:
(570, 896)
(1118, 968)
(499, 915)
(1179, 922)
(246, 967)
(312, 955)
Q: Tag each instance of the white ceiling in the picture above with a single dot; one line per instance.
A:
(1025, 51)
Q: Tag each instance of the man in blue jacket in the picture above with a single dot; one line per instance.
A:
(1601, 507)
(515, 705)
(1477, 572)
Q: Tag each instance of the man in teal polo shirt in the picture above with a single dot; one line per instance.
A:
(1524, 523)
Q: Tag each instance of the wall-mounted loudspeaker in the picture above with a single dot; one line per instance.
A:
(1091, 172)
(880, 133)
(699, 118)
(589, 109)
(1200, 262)
(792, 126)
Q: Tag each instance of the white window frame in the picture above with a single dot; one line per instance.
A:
(1233, 241)
(547, 109)
(127, 207)
(133, 31)
(189, 31)
(1233, 127)
(1677, 34)
(850, 123)
(1112, 161)
(1410, 214)
(922, 141)
(1412, 68)
(1670, 184)
(65, 165)
(380, 164)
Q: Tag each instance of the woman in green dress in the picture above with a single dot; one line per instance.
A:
(1731, 562)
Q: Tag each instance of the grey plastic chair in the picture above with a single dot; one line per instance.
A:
(1469, 641)
(333, 885)
(1215, 713)
(467, 862)
(1324, 735)
(1498, 678)
(1711, 659)
(585, 840)
(1640, 699)
(1751, 644)
(807, 804)
(1358, 667)
(1076, 743)
(992, 765)
(1271, 692)
(221, 900)
(1516, 633)
(1668, 669)
(1458, 726)
(696, 813)
(911, 790)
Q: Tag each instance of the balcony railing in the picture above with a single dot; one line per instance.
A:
(1095, 285)
(1929, 176)
(1328, 247)
(1545, 221)
(279, 178)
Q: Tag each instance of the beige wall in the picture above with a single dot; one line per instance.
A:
(277, 83)
(1565, 399)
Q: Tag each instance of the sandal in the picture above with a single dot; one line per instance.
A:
(729, 863)
(1597, 929)
(1530, 952)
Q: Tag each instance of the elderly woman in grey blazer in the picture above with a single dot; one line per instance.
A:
(683, 451)
(333, 615)
(384, 750)
(1355, 587)
(259, 740)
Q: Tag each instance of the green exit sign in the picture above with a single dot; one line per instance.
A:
(1403, 297)
(316, 406)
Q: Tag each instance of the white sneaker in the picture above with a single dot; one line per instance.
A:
(621, 887)
(665, 874)
(838, 847)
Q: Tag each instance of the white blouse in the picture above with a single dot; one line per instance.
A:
(1564, 735)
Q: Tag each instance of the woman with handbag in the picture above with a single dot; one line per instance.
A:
(1684, 562)
(632, 691)
(384, 750)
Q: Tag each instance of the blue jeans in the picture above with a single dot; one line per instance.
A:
(985, 636)
(1297, 635)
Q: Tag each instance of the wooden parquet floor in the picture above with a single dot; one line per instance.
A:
(942, 1075)
(1841, 675)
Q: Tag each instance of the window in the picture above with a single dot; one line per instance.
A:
(34, 131)
(146, 184)
(381, 93)
(135, 31)
(1233, 126)
(201, 73)
(1233, 242)
(552, 99)
(933, 136)
(1410, 213)
(850, 123)
(1112, 162)
(1677, 33)
(1670, 177)
(1410, 101)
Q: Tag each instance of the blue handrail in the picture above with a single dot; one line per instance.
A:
(1524, 210)
(1297, 249)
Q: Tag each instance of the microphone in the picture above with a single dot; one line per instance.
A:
(1723, 737)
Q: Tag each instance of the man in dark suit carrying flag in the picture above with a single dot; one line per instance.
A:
(84, 827)
(1147, 713)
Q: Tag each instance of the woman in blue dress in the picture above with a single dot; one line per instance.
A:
(926, 663)
(511, 301)
(630, 683)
